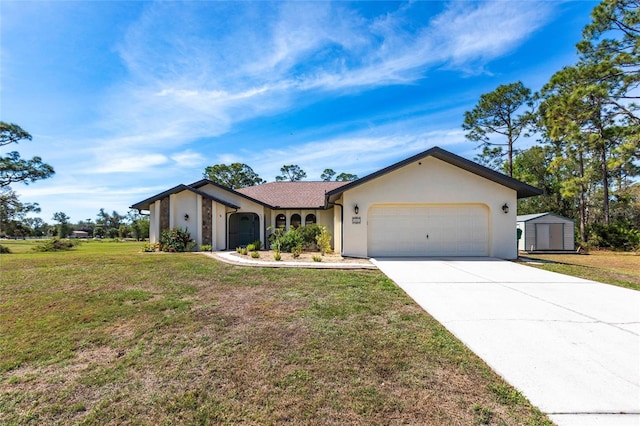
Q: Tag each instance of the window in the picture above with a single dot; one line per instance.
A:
(295, 221)
(310, 219)
(281, 221)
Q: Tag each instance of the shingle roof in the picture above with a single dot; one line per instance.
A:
(291, 195)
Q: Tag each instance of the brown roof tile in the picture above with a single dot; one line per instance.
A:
(291, 194)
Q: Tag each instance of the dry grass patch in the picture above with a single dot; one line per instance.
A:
(617, 268)
(184, 339)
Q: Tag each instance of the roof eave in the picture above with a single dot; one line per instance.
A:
(146, 204)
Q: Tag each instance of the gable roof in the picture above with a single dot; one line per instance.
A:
(145, 204)
(522, 189)
(528, 217)
(291, 195)
(203, 182)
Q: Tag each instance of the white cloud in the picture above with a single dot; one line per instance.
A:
(128, 162)
(188, 158)
(478, 32)
(270, 56)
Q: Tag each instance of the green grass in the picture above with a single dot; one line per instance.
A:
(105, 334)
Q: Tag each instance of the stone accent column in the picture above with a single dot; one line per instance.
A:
(207, 225)
(164, 214)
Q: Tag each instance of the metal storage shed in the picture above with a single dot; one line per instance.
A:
(546, 232)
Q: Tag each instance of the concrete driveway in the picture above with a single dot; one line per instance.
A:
(571, 346)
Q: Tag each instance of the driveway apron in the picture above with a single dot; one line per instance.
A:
(571, 346)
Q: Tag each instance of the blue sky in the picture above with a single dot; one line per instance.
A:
(127, 99)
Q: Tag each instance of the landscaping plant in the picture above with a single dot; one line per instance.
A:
(176, 240)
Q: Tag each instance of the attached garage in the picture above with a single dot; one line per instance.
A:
(428, 230)
(434, 204)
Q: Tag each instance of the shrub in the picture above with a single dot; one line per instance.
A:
(255, 254)
(150, 248)
(277, 256)
(305, 237)
(238, 249)
(618, 236)
(317, 258)
(251, 247)
(257, 244)
(291, 240)
(206, 247)
(244, 251)
(324, 240)
(309, 235)
(296, 251)
(56, 244)
(176, 240)
(4, 249)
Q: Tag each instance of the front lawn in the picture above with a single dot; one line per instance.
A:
(616, 268)
(106, 334)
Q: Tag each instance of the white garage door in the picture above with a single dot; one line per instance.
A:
(428, 230)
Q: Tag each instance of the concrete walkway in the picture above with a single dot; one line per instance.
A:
(228, 257)
(571, 346)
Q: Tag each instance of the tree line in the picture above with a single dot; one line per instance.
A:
(14, 220)
(105, 225)
(586, 129)
(240, 175)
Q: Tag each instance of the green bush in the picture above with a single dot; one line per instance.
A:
(296, 251)
(176, 240)
(56, 244)
(244, 251)
(251, 247)
(4, 249)
(206, 247)
(323, 239)
(309, 235)
(317, 258)
(277, 256)
(617, 236)
(257, 244)
(255, 254)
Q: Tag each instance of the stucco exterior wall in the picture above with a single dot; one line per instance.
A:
(219, 230)
(154, 222)
(432, 181)
(186, 202)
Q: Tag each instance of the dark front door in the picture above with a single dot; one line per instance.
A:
(244, 228)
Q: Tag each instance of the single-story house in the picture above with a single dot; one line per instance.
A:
(79, 234)
(434, 203)
(545, 232)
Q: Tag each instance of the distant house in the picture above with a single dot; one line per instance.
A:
(435, 203)
(79, 234)
(546, 232)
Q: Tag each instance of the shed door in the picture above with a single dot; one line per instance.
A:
(549, 236)
(428, 230)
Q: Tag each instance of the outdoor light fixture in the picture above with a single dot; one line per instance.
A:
(505, 208)
(356, 209)
(186, 216)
